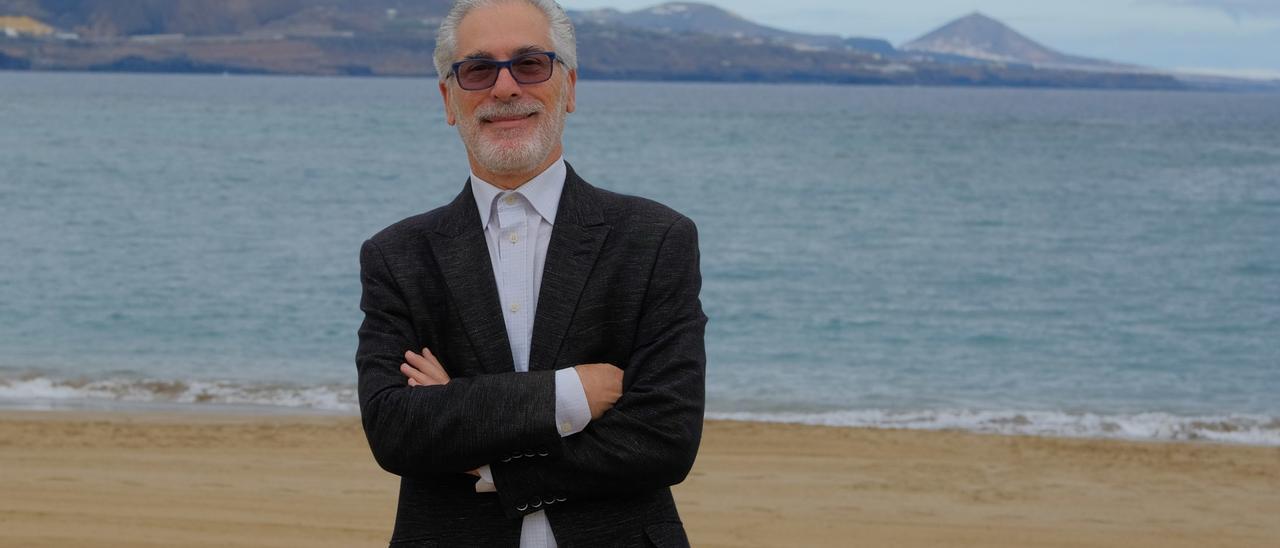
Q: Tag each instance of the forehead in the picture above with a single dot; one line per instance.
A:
(503, 29)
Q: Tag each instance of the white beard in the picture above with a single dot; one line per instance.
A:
(511, 154)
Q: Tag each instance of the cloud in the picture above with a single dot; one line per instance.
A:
(1237, 9)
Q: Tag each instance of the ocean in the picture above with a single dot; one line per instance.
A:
(1052, 262)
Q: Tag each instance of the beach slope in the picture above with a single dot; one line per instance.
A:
(147, 479)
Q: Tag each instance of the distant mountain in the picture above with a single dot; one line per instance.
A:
(977, 36)
(673, 41)
(878, 46)
(115, 18)
(684, 17)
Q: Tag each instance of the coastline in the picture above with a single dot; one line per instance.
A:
(141, 478)
(36, 392)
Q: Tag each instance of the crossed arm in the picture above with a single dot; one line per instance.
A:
(433, 424)
(601, 382)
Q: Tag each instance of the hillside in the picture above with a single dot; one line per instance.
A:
(674, 41)
(104, 19)
(684, 17)
(980, 37)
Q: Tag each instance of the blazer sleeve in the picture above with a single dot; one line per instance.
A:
(649, 439)
(456, 427)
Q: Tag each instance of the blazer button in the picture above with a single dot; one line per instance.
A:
(560, 500)
(522, 507)
(537, 503)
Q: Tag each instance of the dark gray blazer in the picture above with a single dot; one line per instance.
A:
(620, 285)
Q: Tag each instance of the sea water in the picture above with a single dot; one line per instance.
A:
(1063, 262)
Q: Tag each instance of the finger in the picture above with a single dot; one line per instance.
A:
(421, 363)
(408, 371)
(426, 353)
(429, 374)
(418, 362)
(432, 370)
(415, 375)
(415, 360)
(414, 382)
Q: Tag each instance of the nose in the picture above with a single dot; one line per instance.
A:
(506, 86)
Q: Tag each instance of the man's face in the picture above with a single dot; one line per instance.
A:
(510, 128)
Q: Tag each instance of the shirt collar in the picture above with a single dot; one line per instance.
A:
(543, 191)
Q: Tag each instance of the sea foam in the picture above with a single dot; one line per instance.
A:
(1241, 429)
(44, 392)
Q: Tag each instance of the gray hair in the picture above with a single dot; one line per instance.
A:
(562, 38)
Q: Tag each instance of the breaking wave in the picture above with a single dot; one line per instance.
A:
(1242, 429)
(51, 392)
(44, 392)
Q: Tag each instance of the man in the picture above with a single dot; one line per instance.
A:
(531, 361)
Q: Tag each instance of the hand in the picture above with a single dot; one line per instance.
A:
(424, 370)
(603, 384)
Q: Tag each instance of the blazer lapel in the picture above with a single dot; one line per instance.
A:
(576, 240)
(463, 256)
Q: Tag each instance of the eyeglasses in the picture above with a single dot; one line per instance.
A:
(529, 68)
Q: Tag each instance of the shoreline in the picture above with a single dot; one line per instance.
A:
(201, 413)
(193, 479)
(1242, 429)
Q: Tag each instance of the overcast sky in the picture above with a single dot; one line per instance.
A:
(1207, 34)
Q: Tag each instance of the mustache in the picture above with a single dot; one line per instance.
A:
(488, 112)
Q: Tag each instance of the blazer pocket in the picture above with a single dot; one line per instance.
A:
(667, 535)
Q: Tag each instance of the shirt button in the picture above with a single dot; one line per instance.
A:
(511, 199)
(515, 237)
(566, 427)
(515, 307)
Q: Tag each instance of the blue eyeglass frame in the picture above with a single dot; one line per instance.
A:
(499, 65)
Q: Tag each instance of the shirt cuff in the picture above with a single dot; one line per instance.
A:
(572, 411)
(485, 483)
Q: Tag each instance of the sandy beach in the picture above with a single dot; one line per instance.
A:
(148, 479)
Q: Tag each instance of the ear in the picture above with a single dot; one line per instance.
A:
(570, 104)
(448, 110)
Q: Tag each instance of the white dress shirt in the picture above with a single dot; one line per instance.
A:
(517, 225)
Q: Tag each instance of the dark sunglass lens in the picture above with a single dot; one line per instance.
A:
(477, 74)
(532, 69)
